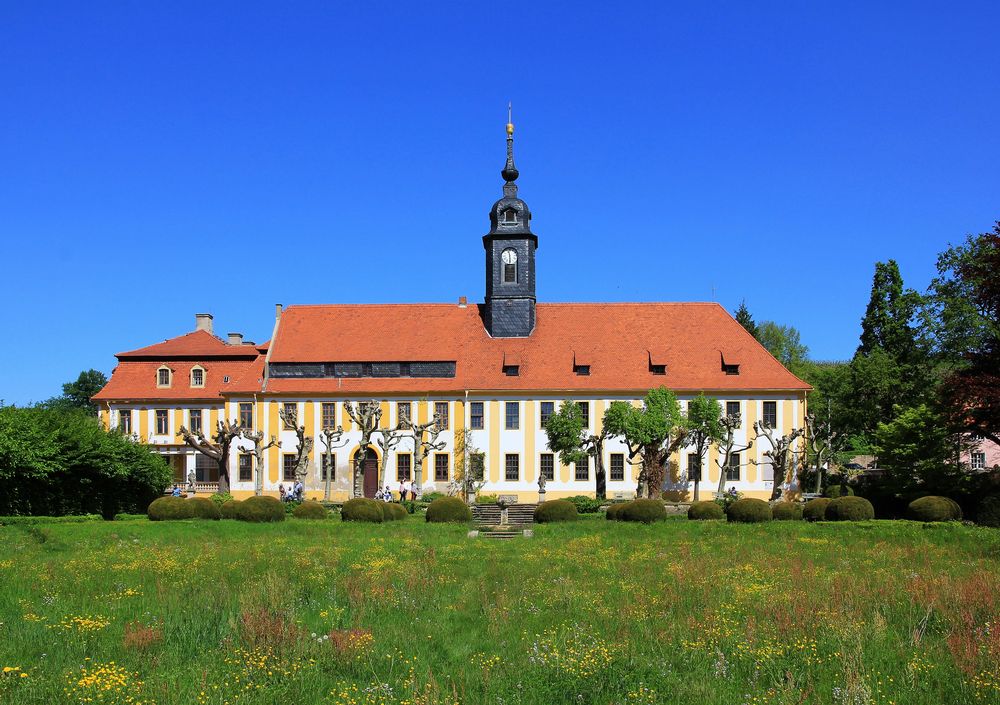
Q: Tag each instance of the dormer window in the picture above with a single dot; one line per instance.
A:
(163, 377)
(582, 370)
(731, 369)
(197, 377)
(658, 369)
(511, 370)
(509, 259)
(510, 216)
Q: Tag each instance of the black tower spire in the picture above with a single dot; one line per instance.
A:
(510, 258)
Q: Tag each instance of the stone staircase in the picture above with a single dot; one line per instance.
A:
(519, 517)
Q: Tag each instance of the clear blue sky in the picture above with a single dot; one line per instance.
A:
(161, 159)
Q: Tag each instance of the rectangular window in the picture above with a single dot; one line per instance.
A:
(404, 463)
(733, 468)
(246, 414)
(163, 377)
(328, 414)
(512, 467)
(658, 369)
(732, 408)
(770, 416)
(694, 467)
(290, 411)
(441, 415)
(404, 412)
(511, 370)
(547, 466)
(125, 421)
(731, 369)
(246, 467)
(584, 407)
(509, 273)
(617, 467)
(512, 415)
(197, 377)
(582, 472)
(441, 467)
(476, 415)
(548, 408)
(767, 472)
(194, 416)
(477, 465)
(288, 467)
(978, 461)
(325, 466)
(162, 422)
(582, 370)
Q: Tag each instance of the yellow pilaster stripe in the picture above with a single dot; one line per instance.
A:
(422, 416)
(494, 441)
(529, 440)
(345, 418)
(787, 419)
(713, 468)
(105, 417)
(309, 416)
(144, 424)
(274, 453)
(213, 421)
(750, 418)
(459, 430)
(178, 420)
(384, 406)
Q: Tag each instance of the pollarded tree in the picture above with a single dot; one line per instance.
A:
(704, 427)
(304, 447)
(425, 442)
(387, 439)
(366, 415)
(217, 447)
(332, 439)
(727, 446)
(652, 432)
(571, 439)
(256, 438)
(781, 455)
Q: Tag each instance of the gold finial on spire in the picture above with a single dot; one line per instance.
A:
(510, 122)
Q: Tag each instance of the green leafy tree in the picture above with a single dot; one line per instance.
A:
(652, 432)
(887, 324)
(571, 439)
(917, 450)
(744, 318)
(77, 394)
(784, 342)
(704, 427)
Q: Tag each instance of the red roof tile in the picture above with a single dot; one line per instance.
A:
(136, 380)
(198, 344)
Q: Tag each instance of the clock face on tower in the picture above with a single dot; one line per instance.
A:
(509, 257)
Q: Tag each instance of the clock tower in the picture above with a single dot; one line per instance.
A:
(510, 259)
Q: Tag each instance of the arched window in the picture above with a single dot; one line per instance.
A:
(197, 376)
(510, 216)
(509, 259)
(163, 377)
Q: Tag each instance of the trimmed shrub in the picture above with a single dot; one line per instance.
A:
(260, 509)
(815, 509)
(643, 510)
(204, 508)
(170, 509)
(220, 498)
(310, 510)
(431, 496)
(849, 509)
(556, 510)
(393, 511)
(614, 510)
(583, 504)
(934, 508)
(449, 509)
(231, 509)
(708, 510)
(834, 491)
(988, 513)
(786, 511)
(749, 511)
(362, 509)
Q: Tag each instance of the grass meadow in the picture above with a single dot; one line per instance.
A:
(411, 613)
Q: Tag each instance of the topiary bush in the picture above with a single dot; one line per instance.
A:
(363, 509)
(834, 491)
(584, 505)
(849, 509)
(392, 511)
(556, 510)
(230, 509)
(204, 508)
(708, 510)
(645, 511)
(310, 510)
(988, 513)
(447, 509)
(613, 510)
(786, 511)
(815, 509)
(933, 508)
(170, 509)
(749, 511)
(260, 509)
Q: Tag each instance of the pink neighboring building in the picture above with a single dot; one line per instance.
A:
(984, 454)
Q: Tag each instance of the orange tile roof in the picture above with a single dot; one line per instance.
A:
(136, 380)
(616, 340)
(198, 344)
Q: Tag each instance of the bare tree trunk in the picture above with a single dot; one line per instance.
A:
(331, 439)
(728, 446)
(366, 416)
(425, 442)
(216, 448)
(780, 454)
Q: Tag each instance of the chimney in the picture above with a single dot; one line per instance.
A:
(236, 339)
(462, 302)
(277, 312)
(203, 321)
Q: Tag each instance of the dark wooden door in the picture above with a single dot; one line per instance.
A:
(371, 474)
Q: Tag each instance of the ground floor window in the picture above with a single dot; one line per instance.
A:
(441, 467)
(694, 467)
(767, 472)
(733, 468)
(512, 467)
(246, 467)
(205, 469)
(326, 464)
(617, 467)
(978, 461)
(547, 466)
(288, 467)
(582, 470)
(404, 465)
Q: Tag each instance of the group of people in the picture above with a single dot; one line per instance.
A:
(406, 489)
(294, 494)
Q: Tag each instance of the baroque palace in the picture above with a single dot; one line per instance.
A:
(496, 369)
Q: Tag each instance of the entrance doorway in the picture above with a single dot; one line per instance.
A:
(369, 473)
